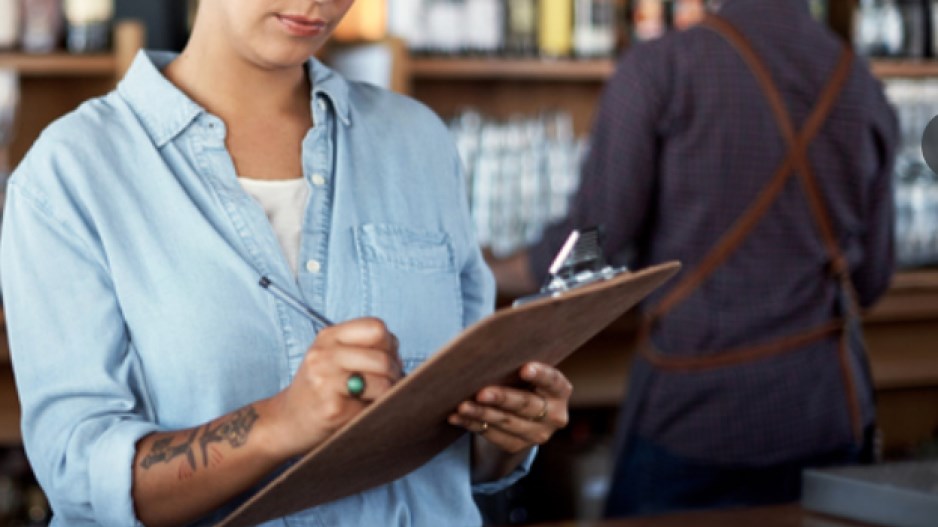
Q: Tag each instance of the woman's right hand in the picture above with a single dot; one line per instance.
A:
(318, 402)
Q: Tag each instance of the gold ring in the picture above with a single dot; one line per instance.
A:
(485, 427)
(540, 417)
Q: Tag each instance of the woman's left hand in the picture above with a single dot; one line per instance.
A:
(515, 419)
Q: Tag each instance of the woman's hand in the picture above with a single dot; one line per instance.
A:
(318, 401)
(515, 419)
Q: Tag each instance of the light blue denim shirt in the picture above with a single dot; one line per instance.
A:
(130, 264)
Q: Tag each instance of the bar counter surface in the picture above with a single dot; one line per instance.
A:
(792, 515)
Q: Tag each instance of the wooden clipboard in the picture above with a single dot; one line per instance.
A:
(406, 428)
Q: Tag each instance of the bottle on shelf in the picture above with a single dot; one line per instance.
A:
(42, 25)
(444, 23)
(407, 21)
(594, 33)
(893, 28)
(521, 27)
(933, 26)
(89, 25)
(878, 28)
(484, 20)
(555, 27)
(512, 28)
(9, 100)
(10, 11)
(913, 24)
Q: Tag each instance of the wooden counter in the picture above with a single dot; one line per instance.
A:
(777, 516)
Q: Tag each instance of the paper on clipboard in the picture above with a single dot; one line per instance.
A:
(404, 429)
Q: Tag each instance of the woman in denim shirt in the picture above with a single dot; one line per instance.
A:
(159, 383)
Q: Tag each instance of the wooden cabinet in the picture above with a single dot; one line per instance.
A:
(52, 85)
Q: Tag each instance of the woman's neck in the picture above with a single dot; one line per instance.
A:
(230, 86)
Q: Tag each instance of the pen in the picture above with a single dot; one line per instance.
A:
(295, 303)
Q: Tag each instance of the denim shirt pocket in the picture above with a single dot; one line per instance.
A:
(411, 281)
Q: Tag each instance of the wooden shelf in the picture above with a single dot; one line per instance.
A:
(533, 70)
(9, 410)
(904, 68)
(60, 64)
(913, 296)
(596, 70)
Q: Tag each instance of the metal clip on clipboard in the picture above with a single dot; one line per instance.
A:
(579, 262)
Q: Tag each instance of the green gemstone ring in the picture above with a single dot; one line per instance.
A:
(355, 385)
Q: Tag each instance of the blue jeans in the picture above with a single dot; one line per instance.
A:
(650, 480)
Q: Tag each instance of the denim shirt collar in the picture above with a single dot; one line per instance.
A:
(165, 111)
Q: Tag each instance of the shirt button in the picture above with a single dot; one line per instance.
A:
(319, 180)
(313, 266)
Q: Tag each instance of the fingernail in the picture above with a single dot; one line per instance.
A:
(487, 397)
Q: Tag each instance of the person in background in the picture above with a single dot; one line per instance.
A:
(755, 150)
(159, 383)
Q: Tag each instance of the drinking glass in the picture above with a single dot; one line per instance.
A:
(9, 98)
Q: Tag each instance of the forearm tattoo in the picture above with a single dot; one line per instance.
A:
(234, 430)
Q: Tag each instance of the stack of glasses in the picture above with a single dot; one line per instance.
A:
(916, 185)
(521, 174)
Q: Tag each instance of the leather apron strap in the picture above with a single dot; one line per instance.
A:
(795, 161)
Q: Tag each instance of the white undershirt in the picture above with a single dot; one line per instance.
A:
(284, 202)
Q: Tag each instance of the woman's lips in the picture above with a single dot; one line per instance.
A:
(301, 26)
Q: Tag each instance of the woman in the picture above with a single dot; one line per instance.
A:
(159, 383)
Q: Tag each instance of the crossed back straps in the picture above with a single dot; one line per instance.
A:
(796, 161)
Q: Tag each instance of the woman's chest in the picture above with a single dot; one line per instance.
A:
(268, 150)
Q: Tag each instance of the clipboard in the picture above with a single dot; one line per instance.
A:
(404, 429)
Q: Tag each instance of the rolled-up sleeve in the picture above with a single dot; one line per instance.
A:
(80, 387)
(495, 486)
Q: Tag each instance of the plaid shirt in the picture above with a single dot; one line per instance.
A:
(683, 142)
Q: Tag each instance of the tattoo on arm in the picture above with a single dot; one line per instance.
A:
(234, 430)
(163, 451)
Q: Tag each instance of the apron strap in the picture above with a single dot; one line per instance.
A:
(795, 160)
